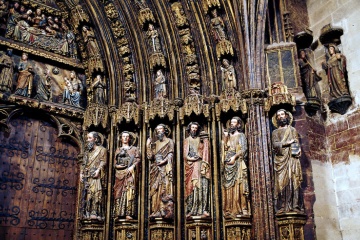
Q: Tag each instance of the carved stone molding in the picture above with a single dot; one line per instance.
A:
(230, 99)
(160, 107)
(97, 115)
(129, 111)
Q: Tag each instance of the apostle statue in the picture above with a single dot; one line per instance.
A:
(92, 176)
(127, 159)
(161, 154)
(288, 174)
(25, 77)
(236, 200)
(197, 172)
(335, 68)
(228, 75)
(6, 71)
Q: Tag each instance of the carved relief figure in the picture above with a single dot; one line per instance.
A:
(160, 153)
(43, 86)
(6, 71)
(99, 90)
(72, 90)
(308, 74)
(160, 84)
(197, 172)
(92, 175)
(218, 26)
(93, 50)
(235, 177)
(335, 67)
(127, 158)
(288, 174)
(153, 38)
(25, 77)
(228, 75)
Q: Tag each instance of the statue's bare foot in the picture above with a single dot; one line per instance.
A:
(205, 214)
(128, 218)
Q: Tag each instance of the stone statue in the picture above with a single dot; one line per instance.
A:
(72, 90)
(335, 67)
(153, 36)
(228, 75)
(92, 175)
(160, 153)
(99, 90)
(288, 174)
(218, 26)
(308, 74)
(127, 158)
(160, 84)
(197, 172)
(235, 172)
(93, 51)
(43, 85)
(25, 77)
(6, 71)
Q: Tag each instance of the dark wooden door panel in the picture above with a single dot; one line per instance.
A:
(38, 179)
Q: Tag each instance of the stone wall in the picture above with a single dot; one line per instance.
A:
(336, 171)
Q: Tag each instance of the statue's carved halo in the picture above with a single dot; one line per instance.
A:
(274, 120)
(102, 138)
(228, 122)
(133, 137)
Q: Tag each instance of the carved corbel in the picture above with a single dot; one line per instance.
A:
(278, 94)
(97, 115)
(129, 111)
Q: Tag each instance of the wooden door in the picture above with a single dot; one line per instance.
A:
(38, 179)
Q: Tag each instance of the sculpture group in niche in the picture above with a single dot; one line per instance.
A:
(39, 30)
(288, 174)
(236, 202)
(161, 153)
(72, 90)
(197, 172)
(127, 159)
(92, 175)
(335, 68)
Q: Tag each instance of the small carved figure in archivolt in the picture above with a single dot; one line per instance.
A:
(99, 90)
(160, 84)
(153, 38)
(25, 77)
(6, 71)
(228, 75)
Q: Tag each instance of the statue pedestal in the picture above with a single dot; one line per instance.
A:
(126, 229)
(340, 105)
(199, 228)
(291, 225)
(238, 228)
(92, 229)
(160, 229)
